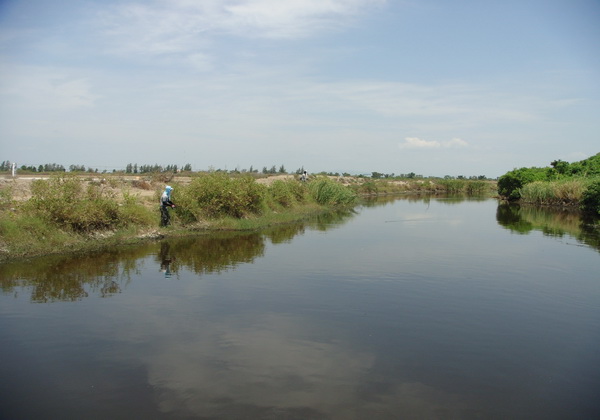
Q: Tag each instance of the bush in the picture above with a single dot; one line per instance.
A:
(590, 202)
(281, 192)
(510, 184)
(216, 195)
(68, 203)
(327, 192)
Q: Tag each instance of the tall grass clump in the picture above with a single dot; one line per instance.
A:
(287, 193)
(452, 186)
(562, 192)
(327, 192)
(218, 195)
(475, 187)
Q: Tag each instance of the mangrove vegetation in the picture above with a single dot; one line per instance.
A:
(562, 183)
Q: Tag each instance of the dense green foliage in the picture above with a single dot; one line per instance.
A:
(510, 184)
(591, 198)
(68, 203)
(562, 183)
(287, 193)
(217, 195)
(328, 192)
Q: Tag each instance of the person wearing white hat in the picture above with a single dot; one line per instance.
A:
(165, 203)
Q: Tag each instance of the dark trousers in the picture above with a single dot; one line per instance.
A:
(165, 217)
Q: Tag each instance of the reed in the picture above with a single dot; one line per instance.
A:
(328, 192)
(568, 192)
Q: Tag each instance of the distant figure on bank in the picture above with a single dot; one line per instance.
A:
(304, 176)
(165, 203)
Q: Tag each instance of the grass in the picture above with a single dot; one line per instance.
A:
(66, 213)
(567, 192)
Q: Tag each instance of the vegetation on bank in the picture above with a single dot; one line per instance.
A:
(426, 186)
(574, 184)
(70, 212)
(67, 213)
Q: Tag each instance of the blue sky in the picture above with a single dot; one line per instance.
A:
(432, 87)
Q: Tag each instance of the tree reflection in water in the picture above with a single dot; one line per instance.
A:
(106, 273)
(551, 222)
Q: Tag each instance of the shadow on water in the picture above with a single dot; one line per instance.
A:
(551, 222)
(103, 274)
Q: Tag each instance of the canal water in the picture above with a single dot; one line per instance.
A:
(399, 309)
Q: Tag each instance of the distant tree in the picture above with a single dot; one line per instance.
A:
(77, 168)
(282, 169)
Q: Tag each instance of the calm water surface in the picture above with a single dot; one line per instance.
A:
(413, 308)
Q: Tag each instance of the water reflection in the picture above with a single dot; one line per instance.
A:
(453, 318)
(75, 277)
(551, 222)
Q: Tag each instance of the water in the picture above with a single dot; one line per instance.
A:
(410, 308)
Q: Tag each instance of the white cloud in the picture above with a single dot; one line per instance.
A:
(180, 26)
(456, 142)
(417, 143)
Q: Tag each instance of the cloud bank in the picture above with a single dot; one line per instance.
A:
(417, 143)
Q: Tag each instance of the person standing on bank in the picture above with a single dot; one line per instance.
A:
(165, 203)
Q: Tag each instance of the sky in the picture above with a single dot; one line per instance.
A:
(468, 87)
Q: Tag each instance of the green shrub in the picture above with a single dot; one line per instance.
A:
(133, 213)
(327, 192)
(281, 193)
(368, 187)
(216, 195)
(510, 184)
(6, 196)
(68, 203)
(591, 198)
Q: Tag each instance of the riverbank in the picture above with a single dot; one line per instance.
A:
(66, 214)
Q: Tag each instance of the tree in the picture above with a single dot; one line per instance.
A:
(510, 184)
(591, 199)
(560, 166)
